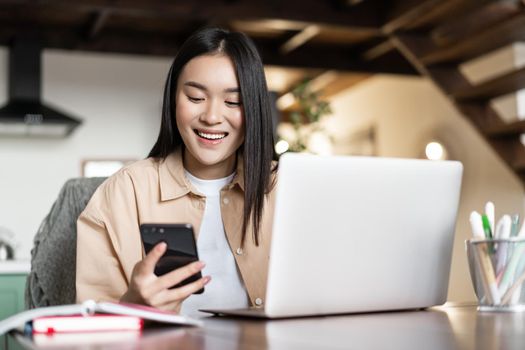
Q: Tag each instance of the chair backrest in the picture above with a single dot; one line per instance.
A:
(53, 257)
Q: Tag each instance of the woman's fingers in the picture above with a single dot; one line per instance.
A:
(181, 293)
(178, 275)
(147, 266)
(149, 289)
(143, 277)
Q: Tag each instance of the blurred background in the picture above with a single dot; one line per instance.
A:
(81, 87)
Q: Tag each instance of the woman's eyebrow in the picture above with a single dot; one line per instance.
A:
(196, 85)
(232, 90)
(204, 88)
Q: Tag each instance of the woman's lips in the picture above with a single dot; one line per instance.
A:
(210, 137)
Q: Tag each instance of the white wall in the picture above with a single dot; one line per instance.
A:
(407, 113)
(119, 99)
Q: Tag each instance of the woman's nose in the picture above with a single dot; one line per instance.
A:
(212, 115)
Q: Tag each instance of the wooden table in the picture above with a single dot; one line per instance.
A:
(437, 328)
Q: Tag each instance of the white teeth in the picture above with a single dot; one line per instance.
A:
(211, 136)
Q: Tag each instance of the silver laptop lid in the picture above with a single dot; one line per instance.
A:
(356, 234)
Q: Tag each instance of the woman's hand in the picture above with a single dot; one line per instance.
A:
(149, 289)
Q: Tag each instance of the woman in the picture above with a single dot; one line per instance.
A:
(212, 167)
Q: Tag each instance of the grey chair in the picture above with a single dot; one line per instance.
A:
(53, 257)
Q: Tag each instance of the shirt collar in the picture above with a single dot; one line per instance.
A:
(173, 182)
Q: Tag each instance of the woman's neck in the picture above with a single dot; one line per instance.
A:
(208, 172)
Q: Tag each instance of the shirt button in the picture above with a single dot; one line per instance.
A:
(239, 251)
(225, 200)
(258, 302)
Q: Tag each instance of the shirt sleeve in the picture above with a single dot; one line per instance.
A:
(108, 241)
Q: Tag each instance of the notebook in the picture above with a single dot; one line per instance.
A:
(53, 316)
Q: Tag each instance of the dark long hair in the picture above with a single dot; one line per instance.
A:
(258, 143)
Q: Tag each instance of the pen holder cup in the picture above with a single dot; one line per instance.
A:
(497, 270)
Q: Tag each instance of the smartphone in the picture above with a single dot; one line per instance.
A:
(181, 248)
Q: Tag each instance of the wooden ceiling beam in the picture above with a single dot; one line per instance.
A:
(462, 27)
(378, 50)
(300, 39)
(479, 112)
(326, 84)
(364, 14)
(506, 129)
(454, 84)
(328, 57)
(134, 42)
(510, 82)
(404, 14)
(509, 148)
(488, 39)
(59, 37)
(96, 23)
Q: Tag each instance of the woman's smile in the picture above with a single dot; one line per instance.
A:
(207, 136)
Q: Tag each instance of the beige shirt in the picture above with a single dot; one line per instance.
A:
(153, 191)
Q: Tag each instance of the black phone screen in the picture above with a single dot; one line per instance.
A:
(181, 248)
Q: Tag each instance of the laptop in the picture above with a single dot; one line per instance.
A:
(359, 234)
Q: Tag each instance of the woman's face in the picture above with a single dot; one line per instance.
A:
(209, 115)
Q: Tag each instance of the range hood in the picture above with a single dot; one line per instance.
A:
(24, 114)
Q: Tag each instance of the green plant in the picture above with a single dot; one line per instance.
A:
(306, 119)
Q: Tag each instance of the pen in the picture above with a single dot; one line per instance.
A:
(487, 274)
(515, 225)
(486, 226)
(503, 227)
(490, 212)
(516, 296)
(508, 295)
(510, 270)
(502, 232)
(476, 225)
(486, 270)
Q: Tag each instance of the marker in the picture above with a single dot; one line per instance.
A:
(517, 284)
(510, 270)
(484, 264)
(516, 296)
(521, 232)
(490, 211)
(502, 232)
(487, 274)
(486, 226)
(503, 227)
(476, 225)
(515, 225)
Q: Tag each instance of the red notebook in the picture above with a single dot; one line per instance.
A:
(96, 323)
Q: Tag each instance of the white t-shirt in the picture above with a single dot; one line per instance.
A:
(226, 289)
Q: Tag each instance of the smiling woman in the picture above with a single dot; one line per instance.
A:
(210, 167)
(209, 116)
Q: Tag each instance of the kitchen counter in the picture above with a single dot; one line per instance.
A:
(13, 276)
(15, 267)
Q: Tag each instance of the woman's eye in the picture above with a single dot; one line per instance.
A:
(195, 99)
(232, 103)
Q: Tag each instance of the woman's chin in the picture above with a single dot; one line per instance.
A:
(209, 158)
